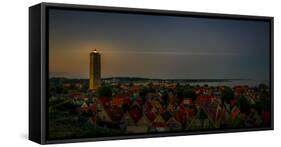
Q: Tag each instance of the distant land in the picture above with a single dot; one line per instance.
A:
(170, 80)
(138, 79)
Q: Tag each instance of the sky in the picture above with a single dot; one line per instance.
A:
(166, 47)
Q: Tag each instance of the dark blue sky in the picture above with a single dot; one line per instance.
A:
(158, 46)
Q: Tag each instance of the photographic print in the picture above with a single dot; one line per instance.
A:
(124, 73)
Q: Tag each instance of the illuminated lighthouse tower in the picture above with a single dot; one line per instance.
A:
(95, 70)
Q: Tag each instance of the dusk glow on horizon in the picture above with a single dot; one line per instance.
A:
(164, 47)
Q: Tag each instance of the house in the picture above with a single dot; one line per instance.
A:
(200, 122)
(212, 109)
(93, 107)
(115, 114)
(127, 101)
(254, 119)
(134, 88)
(92, 120)
(103, 116)
(171, 108)
(171, 98)
(139, 101)
(156, 104)
(221, 116)
(75, 95)
(144, 121)
(84, 107)
(238, 90)
(135, 113)
(201, 91)
(173, 124)
(187, 101)
(66, 85)
(154, 110)
(136, 104)
(104, 101)
(205, 99)
(180, 116)
(166, 115)
(151, 116)
(234, 112)
(159, 124)
(194, 124)
(189, 111)
(127, 120)
(117, 101)
(147, 106)
(207, 123)
(233, 102)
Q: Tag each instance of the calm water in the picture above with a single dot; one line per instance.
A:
(251, 83)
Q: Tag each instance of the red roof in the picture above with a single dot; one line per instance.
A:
(186, 101)
(204, 99)
(234, 114)
(114, 113)
(93, 107)
(233, 102)
(104, 101)
(147, 106)
(189, 112)
(127, 101)
(139, 100)
(181, 106)
(135, 113)
(200, 90)
(180, 116)
(135, 88)
(240, 89)
(117, 101)
(75, 95)
(151, 116)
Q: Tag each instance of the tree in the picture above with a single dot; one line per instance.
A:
(189, 93)
(263, 104)
(143, 92)
(104, 91)
(125, 107)
(165, 98)
(179, 91)
(150, 88)
(227, 94)
(243, 104)
(85, 86)
(262, 87)
(202, 116)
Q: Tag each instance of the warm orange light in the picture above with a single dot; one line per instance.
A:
(95, 51)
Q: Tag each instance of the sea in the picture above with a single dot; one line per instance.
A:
(232, 83)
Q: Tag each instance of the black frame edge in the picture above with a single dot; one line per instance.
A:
(272, 70)
(44, 72)
(147, 136)
(154, 11)
(35, 131)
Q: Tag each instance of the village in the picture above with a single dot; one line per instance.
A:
(145, 107)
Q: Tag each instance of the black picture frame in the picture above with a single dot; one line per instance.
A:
(38, 67)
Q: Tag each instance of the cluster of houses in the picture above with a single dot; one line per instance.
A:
(128, 112)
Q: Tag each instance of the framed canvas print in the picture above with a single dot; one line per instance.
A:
(99, 73)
